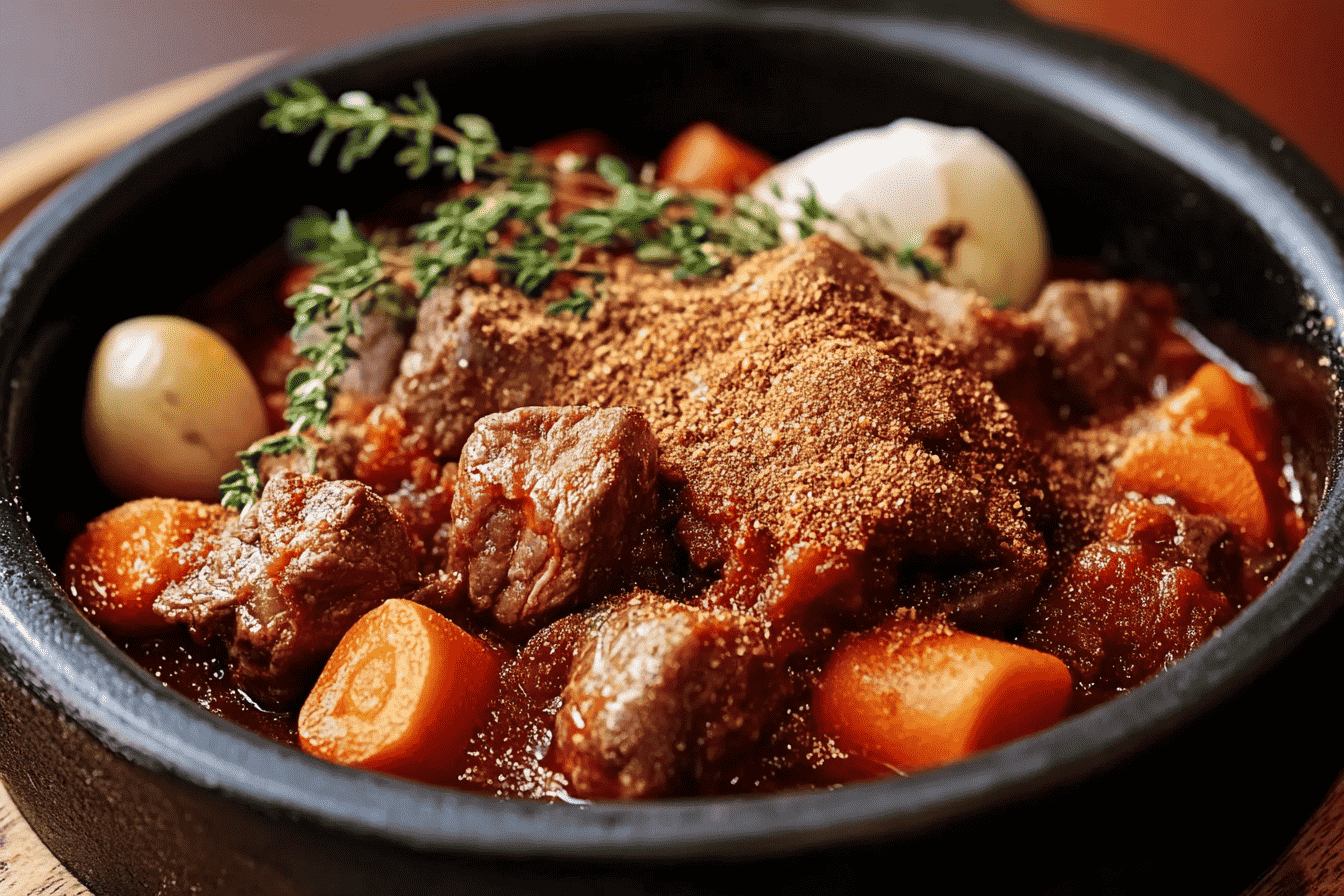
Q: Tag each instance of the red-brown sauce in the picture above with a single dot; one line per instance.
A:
(822, 374)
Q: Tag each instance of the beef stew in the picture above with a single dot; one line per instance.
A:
(668, 515)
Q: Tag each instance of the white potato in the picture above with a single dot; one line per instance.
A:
(169, 404)
(905, 179)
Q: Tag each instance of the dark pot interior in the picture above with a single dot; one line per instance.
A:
(1135, 165)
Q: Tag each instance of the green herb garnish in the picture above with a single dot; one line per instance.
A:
(351, 282)
(578, 303)
(505, 220)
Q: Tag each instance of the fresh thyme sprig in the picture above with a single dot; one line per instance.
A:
(579, 303)
(696, 235)
(505, 218)
(351, 281)
(874, 236)
(366, 125)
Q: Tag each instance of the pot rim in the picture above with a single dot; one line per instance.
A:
(63, 661)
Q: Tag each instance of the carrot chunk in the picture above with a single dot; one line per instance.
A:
(1215, 404)
(912, 694)
(1203, 472)
(124, 559)
(587, 144)
(705, 157)
(401, 694)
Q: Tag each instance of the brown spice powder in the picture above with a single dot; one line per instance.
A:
(802, 407)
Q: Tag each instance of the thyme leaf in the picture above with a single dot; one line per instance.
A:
(504, 219)
(579, 303)
(351, 281)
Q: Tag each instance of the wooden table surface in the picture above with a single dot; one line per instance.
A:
(26, 866)
(1312, 866)
(41, 160)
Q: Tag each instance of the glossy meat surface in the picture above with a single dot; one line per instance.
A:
(289, 576)
(666, 515)
(662, 696)
(546, 501)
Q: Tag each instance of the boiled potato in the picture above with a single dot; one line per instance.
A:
(168, 407)
(902, 181)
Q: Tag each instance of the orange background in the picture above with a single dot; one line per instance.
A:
(1283, 59)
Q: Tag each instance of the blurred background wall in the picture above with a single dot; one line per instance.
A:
(1282, 58)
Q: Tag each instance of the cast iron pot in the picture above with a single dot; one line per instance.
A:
(1203, 773)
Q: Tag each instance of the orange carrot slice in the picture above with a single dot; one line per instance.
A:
(1215, 404)
(1203, 472)
(913, 694)
(704, 156)
(124, 559)
(587, 144)
(401, 694)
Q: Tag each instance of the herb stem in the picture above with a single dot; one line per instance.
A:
(505, 219)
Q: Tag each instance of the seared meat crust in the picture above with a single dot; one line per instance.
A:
(289, 577)
(546, 503)
(662, 696)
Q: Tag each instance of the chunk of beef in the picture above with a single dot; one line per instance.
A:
(378, 348)
(933, 495)
(1101, 338)
(994, 342)
(330, 458)
(1119, 615)
(365, 382)
(289, 577)
(662, 698)
(1198, 541)
(547, 501)
(474, 353)
(653, 343)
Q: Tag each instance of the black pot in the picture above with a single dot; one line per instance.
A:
(1193, 781)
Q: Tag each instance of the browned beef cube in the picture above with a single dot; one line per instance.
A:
(378, 349)
(1117, 616)
(1198, 541)
(473, 353)
(547, 501)
(994, 342)
(290, 576)
(1101, 337)
(662, 698)
(332, 457)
